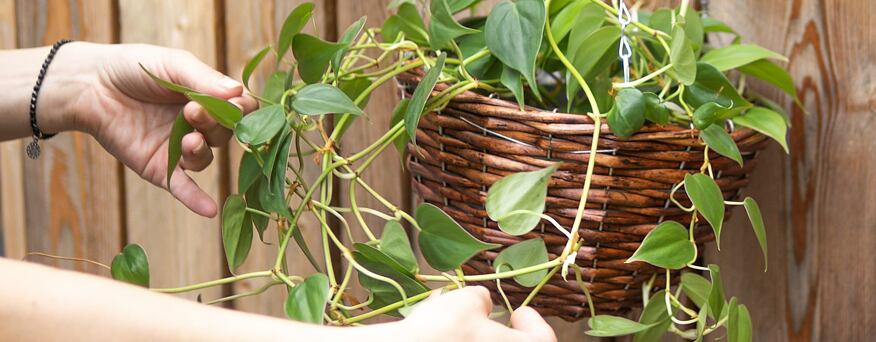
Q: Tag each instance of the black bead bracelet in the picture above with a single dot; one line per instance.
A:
(33, 148)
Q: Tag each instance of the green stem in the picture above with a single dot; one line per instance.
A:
(216, 282)
(493, 276)
(395, 305)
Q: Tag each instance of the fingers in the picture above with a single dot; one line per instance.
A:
(476, 296)
(189, 71)
(196, 155)
(191, 195)
(215, 134)
(528, 321)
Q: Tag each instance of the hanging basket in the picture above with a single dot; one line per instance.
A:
(476, 140)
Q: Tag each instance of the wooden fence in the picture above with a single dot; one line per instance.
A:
(819, 203)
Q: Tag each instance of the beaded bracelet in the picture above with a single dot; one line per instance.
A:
(33, 148)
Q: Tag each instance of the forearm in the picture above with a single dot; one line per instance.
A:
(44, 304)
(67, 76)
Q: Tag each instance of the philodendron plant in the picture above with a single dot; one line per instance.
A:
(542, 53)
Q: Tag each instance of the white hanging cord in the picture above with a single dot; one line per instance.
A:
(624, 50)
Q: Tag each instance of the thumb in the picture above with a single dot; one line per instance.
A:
(528, 321)
(188, 70)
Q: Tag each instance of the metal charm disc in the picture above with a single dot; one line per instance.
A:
(33, 150)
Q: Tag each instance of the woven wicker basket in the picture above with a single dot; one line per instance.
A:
(476, 140)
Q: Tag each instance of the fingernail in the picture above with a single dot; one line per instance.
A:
(201, 147)
(229, 83)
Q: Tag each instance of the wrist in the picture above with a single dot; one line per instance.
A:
(70, 76)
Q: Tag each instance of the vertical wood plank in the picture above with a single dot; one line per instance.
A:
(250, 26)
(12, 235)
(63, 214)
(183, 247)
(820, 217)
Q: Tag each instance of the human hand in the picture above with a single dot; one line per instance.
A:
(463, 315)
(131, 115)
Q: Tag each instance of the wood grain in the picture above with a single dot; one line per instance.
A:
(250, 26)
(183, 247)
(63, 215)
(820, 218)
(12, 235)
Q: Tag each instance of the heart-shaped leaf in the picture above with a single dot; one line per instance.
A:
(292, 26)
(773, 74)
(248, 172)
(131, 266)
(512, 80)
(421, 94)
(224, 112)
(411, 24)
(702, 317)
(252, 64)
(382, 292)
(696, 288)
(514, 33)
(628, 114)
(708, 200)
(180, 128)
(167, 84)
(444, 244)
(682, 57)
(716, 292)
(592, 54)
(236, 231)
(521, 255)
(394, 242)
(313, 55)
(258, 127)
(319, 99)
(753, 211)
(607, 326)
(767, 122)
(655, 110)
(654, 313)
(720, 141)
(737, 55)
(518, 192)
(349, 34)
(253, 200)
(708, 114)
(667, 246)
(443, 28)
(712, 86)
(306, 301)
(739, 324)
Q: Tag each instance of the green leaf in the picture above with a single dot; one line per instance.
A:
(292, 26)
(236, 236)
(666, 246)
(521, 255)
(586, 21)
(655, 110)
(346, 39)
(391, 29)
(739, 325)
(275, 86)
(252, 64)
(459, 5)
(421, 94)
(716, 293)
(696, 288)
(628, 114)
(253, 200)
(314, 56)
(767, 122)
(411, 24)
(384, 293)
(519, 191)
(306, 301)
(773, 74)
(737, 55)
(607, 326)
(589, 55)
(444, 244)
(514, 33)
(708, 114)
(400, 142)
(708, 200)
(248, 172)
(661, 20)
(693, 29)
(258, 127)
(394, 242)
(753, 211)
(654, 313)
(180, 128)
(167, 84)
(381, 257)
(711, 25)
(131, 266)
(712, 86)
(443, 28)
(224, 112)
(512, 80)
(319, 99)
(720, 141)
(702, 317)
(682, 57)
